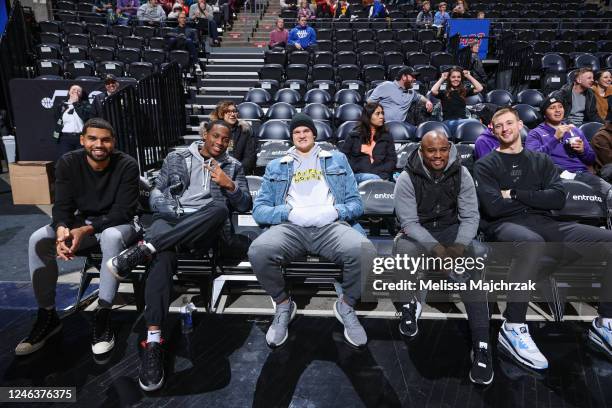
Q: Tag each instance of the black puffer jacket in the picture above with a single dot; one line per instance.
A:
(243, 146)
(385, 158)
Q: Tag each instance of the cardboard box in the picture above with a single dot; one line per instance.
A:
(32, 182)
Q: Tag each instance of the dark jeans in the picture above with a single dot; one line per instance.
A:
(606, 172)
(475, 301)
(68, 142)
(198, 230)
(530, 230)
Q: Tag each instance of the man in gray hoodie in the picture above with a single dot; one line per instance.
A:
(436, 203)
(193, 194)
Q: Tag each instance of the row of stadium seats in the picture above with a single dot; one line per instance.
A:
(102, 40)
(95, 29)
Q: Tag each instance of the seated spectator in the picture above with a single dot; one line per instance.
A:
(517, 189)
(435, 179)
(369, 148)
(183, 37)
(460, 10)
(151, 12)
(441, 16)
(96, 196)
(378, 10)
(343, 10)
(578, 99)
(453, 96)
(167, 5)
(243, 146)
(287, 5)
(309, 207)
(567, 146)
(126, 10)
(425, 17)
(398, 99)
(302, 37)
(602, 144)
(193, 195)
(304, 10)
(111, 85)
(327, 9)
(603, 92)
(476, 67)
(486, 141)
(105, 7)
(176, 10)
(480, 15)
(278, 36)
(203, 15)
(70, 117)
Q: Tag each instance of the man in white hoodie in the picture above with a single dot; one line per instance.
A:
(193, 193)
(310, 199)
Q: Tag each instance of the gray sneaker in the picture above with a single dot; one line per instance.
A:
(353, 330)
(278, 333)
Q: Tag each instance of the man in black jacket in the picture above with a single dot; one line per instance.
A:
(578, 99)
(96, 195)
(517, 188)
(193, 193)
(111, 85)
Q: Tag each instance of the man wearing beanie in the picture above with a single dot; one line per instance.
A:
(309, 198)
(567, 146)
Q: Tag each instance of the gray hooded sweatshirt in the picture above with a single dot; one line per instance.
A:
(198, 194)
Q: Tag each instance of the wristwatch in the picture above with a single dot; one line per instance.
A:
(513, 194)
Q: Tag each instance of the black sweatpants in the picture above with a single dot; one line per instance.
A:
(196, 230)
(530, 230)
(475, 301)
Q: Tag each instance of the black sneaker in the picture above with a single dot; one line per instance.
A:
(151, 375)
(482, 365)
(411, 312)
(103, 339)
(122, 264)
(47, 324)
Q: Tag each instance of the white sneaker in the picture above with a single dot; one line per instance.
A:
(601, 337)
(519, 344)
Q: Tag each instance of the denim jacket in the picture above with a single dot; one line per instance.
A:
(271, 208)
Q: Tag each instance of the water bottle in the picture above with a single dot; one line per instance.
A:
(186, 316)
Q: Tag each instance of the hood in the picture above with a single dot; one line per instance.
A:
(194, 149)
(487, 134)
(416, 166)
(293, 152)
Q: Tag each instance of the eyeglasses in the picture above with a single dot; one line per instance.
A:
(231, 111)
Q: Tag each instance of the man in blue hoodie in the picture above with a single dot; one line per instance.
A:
(309, 198)
(193, 193)
(302, 37)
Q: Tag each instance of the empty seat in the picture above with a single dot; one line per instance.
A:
(345, 96)
(417, 58)
(250, 111)
(49, 26)
(500, 97)
(322, 72)
(531, 97)
(288, 95)
(587, 60)
(258, 96)
(432, 46)
(324, 133)
(77, 39)
(589, 129)
(468, 131)
(347, 34)
(50, 38)
(393, 58)
(373, 73)
(369, 58)
(347, 112)
(409, 46)
(128, 55)
(106, 40)
(49, 67)
(324, 58)
(116, 68)
(580, 209)
(48, 51)
(271, 71)
(144, 31)
(528, 114)
(95, 29)
(318, 111)
(74, 52)
(281, 110)
(388, 45)
(74, 69)
(297, 71)
(346, 58)
(317, 95)
(366, 45)
(274, 130)
(439, 59)
(425, 127)
(121, 30)
(564, 46)
(400, 131)
(299, 57)
(154, 56)
(275, 56)
(181, 57)
(347, 72)
(140, 70)
(427, 73)
(344, 129)
(344, 45)
(101, 54)
(133, 41)
(426, 35)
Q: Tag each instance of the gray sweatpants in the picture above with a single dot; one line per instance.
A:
(42, 258)
(337, 242)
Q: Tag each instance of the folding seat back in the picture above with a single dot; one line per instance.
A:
(589, 129)
(410, 46)
(500, 97)
(128, 55)
(49, 67)
(269, 150)
(377, 197)
(99, 54)
(74, 52)
(347, 34)
(564, 46)
(346, 58)
(49, 26)
(250, 111)
(582, 203)
(531, 97)
(322, 72)
(299, 57)
(439, 58)
(591, 35)
(275, 56)
(48, 51)
(432, 46)
(316, 95)
(552, 81)
(401, 132)
(324, 131)
(373, 73)
(116, 68)
(325, 34)
(547, 35)
(288, 95)
(528, 114)
(344, 129)
(325, 45)
(474, 99)
(140, 70)
(281, 110)
(468, 131)
(403, 152)
(366, 45)
(324, 58)
(271, 71)
(587, 60)
(426, 35)
(154, 56)
(369, 58)
(417, 58)
(541, 47)
(258, 96)
(388, 45)
(95, 29)
(297, 71)
(427, 73)
(75, 69)
(50, 38)
(425, 127)
(393, 58)
(345, 96)
(106, 40)
(347, 72)
(133, 41)
(144, 31)
(274, 130)
(121, 30)
(71, 27)
(318, 111)
(347, 112)
(344, 45)
(181, 57)
(384, 35)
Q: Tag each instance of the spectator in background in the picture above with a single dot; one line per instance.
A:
(343, 10)
(460, 10)
(302, 37)
(480, 15)
(176, 10)
(304, 10)
(126, 10)
(183, 37)
(284, 5)
(278, 36)
(166, 5)
(453, 96)
(203, 15)
(567, 147)
(441, 17)
(111, 85)
(369, 148)
(378, 10)
(326, 9)
(107, 7)
(602, 144)
(603, 92)
(151, 12)
(578, 99)
(425, 17)
(396, 97)
(487, 140)
(476, 66)
(243, 146)
(70, 117)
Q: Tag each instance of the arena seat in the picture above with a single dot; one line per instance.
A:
(377, 197)
(425, 127)
(468, 131)
(401, 132)
(121, 30)
(528, 114)
(393, 58)
(99, 54)
(590, 211)
(318, 111)
(403, 153)
(75, 53)
(154, 56)
(322, 72)
(49, 67)
(281, 110)
(347, 112)
(133, 41)
(325, 135)
(77, 39)
(324, 58)
(589, 129)
(250, 111)
(107, 40)
(347, 72)
(275, 56)
(500, 97)
(465, 151)
(531, 97)
(297, 71)
(139, 70)
(49, 26)
(274, 130)
(587, 60)
(181, 57)
(474, 99)
(343, 45)
(346, 58)
(128, 55)
(317, 95)
(258, 96)
(439, 58)
(344, 129)
(95, 29)
(272, 71)
(116, 68)
(48, 51)
(78, 68)
(373, 73)
(553, 63)
(369, 58)
(270, 150)
(344, 96)
(288, 95)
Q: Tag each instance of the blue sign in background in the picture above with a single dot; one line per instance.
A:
(471, 29)
(3, 16)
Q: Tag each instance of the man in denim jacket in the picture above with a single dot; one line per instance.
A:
(309, 198)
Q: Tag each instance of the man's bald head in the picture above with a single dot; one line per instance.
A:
(435, 151)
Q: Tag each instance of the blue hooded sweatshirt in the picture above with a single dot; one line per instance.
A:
(305, 36)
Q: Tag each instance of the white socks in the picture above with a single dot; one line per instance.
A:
(151, 247)
(154, 336)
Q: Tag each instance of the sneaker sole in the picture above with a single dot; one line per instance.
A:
(399, 326)
(40, 344)
(599, 343)
(489, 381)
(103, 346)
(505, 346)
(346, 337)
(293, 313)
(153, 387)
